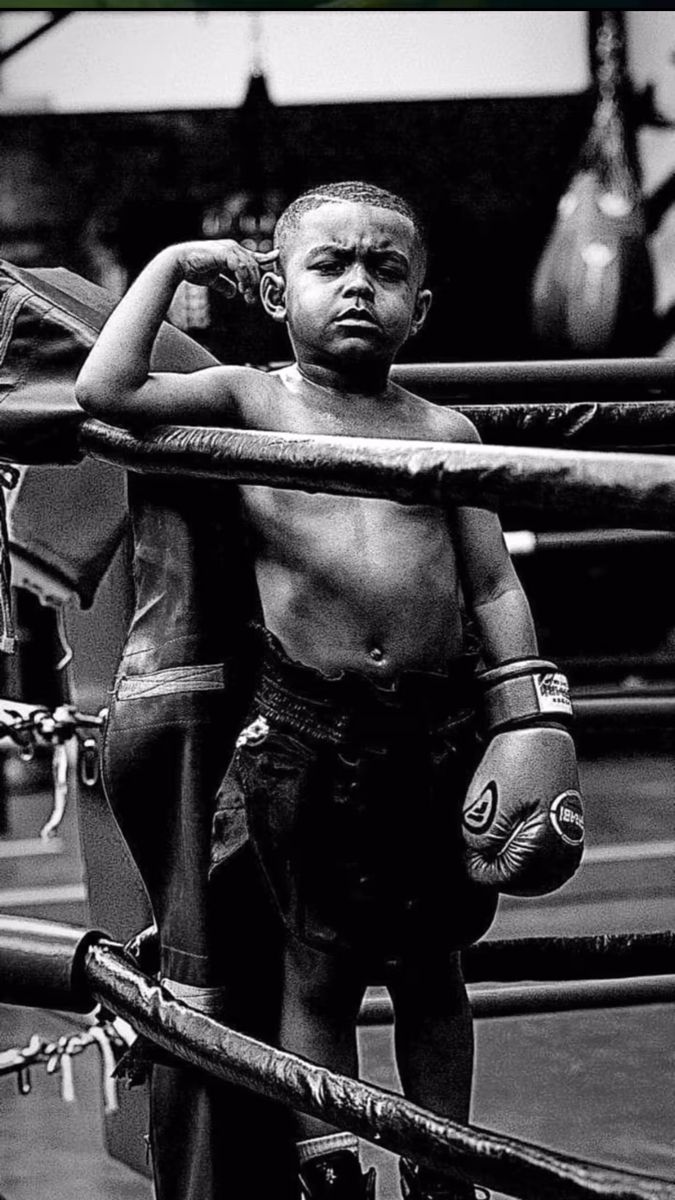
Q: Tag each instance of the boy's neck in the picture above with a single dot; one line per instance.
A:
(372, 381)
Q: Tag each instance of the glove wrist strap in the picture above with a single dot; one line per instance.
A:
(529, 691)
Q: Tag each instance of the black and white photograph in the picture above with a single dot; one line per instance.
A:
(337, 633)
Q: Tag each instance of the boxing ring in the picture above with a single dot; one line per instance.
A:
(67, 968)
(528, 474)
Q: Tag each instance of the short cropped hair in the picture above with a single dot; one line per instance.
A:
(358, 193)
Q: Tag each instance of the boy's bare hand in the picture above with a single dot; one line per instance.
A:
(209, 264)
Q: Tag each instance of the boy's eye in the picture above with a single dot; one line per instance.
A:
(328, 267)
(390, 271)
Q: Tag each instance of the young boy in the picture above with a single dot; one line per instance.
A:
(350, 773)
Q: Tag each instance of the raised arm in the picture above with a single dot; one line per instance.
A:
(116, 382)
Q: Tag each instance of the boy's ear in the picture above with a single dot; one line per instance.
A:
(273, 295)
(422, 306)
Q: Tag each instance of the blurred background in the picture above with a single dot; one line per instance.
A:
(124, 131)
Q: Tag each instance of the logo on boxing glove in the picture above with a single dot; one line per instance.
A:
(480, 813)
(553, 693)
(567, 817)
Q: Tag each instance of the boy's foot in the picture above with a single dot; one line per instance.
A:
(421, 1183)
(336, 1176)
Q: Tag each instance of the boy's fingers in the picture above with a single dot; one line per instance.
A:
(227, 287)
(254, 275)
(248, 277)
(244, 267)
(247, 265)
(266, 256)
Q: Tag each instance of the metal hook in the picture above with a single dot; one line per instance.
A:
(23, 1081)
(89, 762)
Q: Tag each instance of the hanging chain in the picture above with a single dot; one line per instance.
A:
(111, 1038)
(607, 143)
(30, 725)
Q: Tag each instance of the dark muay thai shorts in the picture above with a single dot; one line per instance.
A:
(351, 795)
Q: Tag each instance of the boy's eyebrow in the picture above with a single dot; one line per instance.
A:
(328, 248)
(346, 251)
(388, 252)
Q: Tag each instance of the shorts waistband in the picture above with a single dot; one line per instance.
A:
(338, 709)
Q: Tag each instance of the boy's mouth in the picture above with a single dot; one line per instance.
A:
(356, 316)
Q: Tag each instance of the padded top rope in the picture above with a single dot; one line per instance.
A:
(636, 489)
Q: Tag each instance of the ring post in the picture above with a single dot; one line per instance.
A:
(43, 964)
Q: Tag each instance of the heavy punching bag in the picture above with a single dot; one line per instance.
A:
(593, 289)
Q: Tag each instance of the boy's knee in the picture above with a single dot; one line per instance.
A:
(433, 987)
(432, 965)
(320, 985)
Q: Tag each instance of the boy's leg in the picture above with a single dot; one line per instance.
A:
(434, 1032)
(322, 995)
(434, 1051)
(321, 998)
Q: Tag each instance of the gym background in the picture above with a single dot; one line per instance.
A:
(121, 132)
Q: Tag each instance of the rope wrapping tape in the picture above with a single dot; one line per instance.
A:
(613, 488)
(505, 1164)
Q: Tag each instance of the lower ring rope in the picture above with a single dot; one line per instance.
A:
(510, 1001)
(605, 956)
(392, 1122)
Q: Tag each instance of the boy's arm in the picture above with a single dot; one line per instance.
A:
(492, 590)
(116, 382)
(522, 814)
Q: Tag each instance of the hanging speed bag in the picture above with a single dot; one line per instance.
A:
(593, 289)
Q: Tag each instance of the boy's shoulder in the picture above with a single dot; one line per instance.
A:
(252, 389)
(437, 421)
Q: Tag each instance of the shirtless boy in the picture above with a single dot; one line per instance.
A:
(354, 763)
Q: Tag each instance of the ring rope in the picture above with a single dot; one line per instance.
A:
(492, 1160)
(619, 425)
(601, 956)
(636, 488)
(467, 378)
(489, 1004)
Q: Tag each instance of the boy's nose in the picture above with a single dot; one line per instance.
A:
(358, 282)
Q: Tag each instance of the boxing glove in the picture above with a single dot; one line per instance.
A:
(523, 816)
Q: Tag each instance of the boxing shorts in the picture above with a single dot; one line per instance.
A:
(351, 794)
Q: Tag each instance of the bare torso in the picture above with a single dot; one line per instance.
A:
(348, 583)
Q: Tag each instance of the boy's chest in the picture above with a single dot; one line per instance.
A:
(371, 538)
(379, 535)
(310, 410)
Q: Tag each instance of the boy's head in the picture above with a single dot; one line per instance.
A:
(354, 192)
(350, 275)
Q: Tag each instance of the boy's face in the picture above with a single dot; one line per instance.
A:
(353, 278)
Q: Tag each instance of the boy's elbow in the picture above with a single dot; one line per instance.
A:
(96, 399)
(87, 396)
